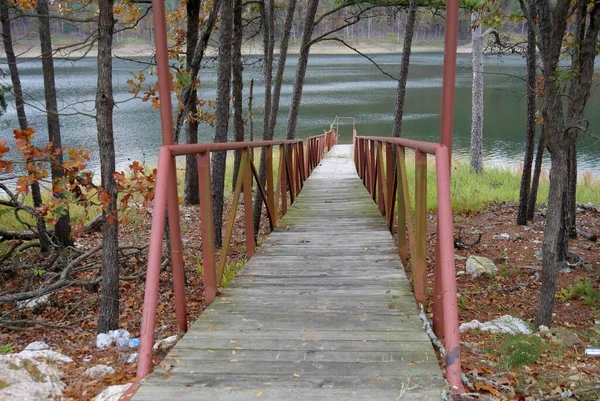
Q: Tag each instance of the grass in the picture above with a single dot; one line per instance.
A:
(583, 290)
(7, 348)
(471, 192)
(521, 349)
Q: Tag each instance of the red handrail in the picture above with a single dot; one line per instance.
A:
(294, 168)
(387, 182)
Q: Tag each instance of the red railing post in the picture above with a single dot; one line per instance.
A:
(154, 262)
(447, 268)
(283, 177)
(249, 218)
(419, 258)
(207, 228)
(176, 248)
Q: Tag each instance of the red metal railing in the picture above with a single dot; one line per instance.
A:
(387, 182)
(294, 168)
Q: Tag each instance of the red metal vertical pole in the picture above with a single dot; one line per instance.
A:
(154, 260)
(449, 77)
(447, 268)
(176, 248)
(207, 228)
(162, 65)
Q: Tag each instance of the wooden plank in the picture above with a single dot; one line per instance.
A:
(322, 311)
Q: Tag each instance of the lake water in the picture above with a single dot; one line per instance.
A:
(345, 85)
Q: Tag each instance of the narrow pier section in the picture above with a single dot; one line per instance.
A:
(323, 311)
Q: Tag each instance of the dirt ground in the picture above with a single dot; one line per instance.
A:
(560, 365)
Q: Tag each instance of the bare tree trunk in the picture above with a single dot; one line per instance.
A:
(109, 302)
(62, 228)
(222, 114)
(311, 12)
(268, 21)
(537, 171)
(191, 192)
(571, 207)
(21, 115)
(406, 50)
(477, 101)
(524, 194)
(238, 85)
(250, 115)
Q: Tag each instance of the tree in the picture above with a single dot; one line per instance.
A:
(526, 192)
(404, 65)
(477, 93)
(36, 193)
(274, 111)
(191, 194)
(560, 133)
(222, 114)
(109, 301)
(309, 22)
(238, 84)
(62, 228)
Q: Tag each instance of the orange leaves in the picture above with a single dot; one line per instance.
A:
(6, 166)
(25, 4)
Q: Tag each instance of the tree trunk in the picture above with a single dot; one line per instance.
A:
(477, 100)
(191, 192)
(268, 22)
(250, 116)
(21, 115)
(552, 236)
(109, 302)
(222, 114)
(406, 49)
(524, 194)
(537, 171)
(62, 228)
(571, 200)
(311, 12)
(238, 85)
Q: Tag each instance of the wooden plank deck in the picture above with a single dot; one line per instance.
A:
(322, 311)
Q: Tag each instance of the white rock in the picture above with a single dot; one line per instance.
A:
(112, 393)
(504, 324)
(99, 371)
(565, 270)
(501, 236)
(34, 302)
(538, 254)
(103, 340)
(165, 343)
(45, 355)
(27, 379)
(478, 265)
(37, 346)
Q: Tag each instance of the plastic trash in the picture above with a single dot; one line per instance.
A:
(121, 337)
(103, 340)
(134, 343)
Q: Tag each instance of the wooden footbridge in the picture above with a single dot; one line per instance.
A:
(323, 310)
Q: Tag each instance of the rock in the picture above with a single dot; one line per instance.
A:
(545, 332)
(501, 236)
(458, 257)
(538, 254)
(22, 378)
(565, 270)
(134, 343)
(588, 268)
(34, 302)
(99, 372)
(45, 355)
(112, 393)
(37, 346)
(504, 324)
(86, 359)
(478, 265)
(460, 273)
(570, 339)
(165, 343)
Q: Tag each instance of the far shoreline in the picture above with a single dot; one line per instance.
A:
(147, 50)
